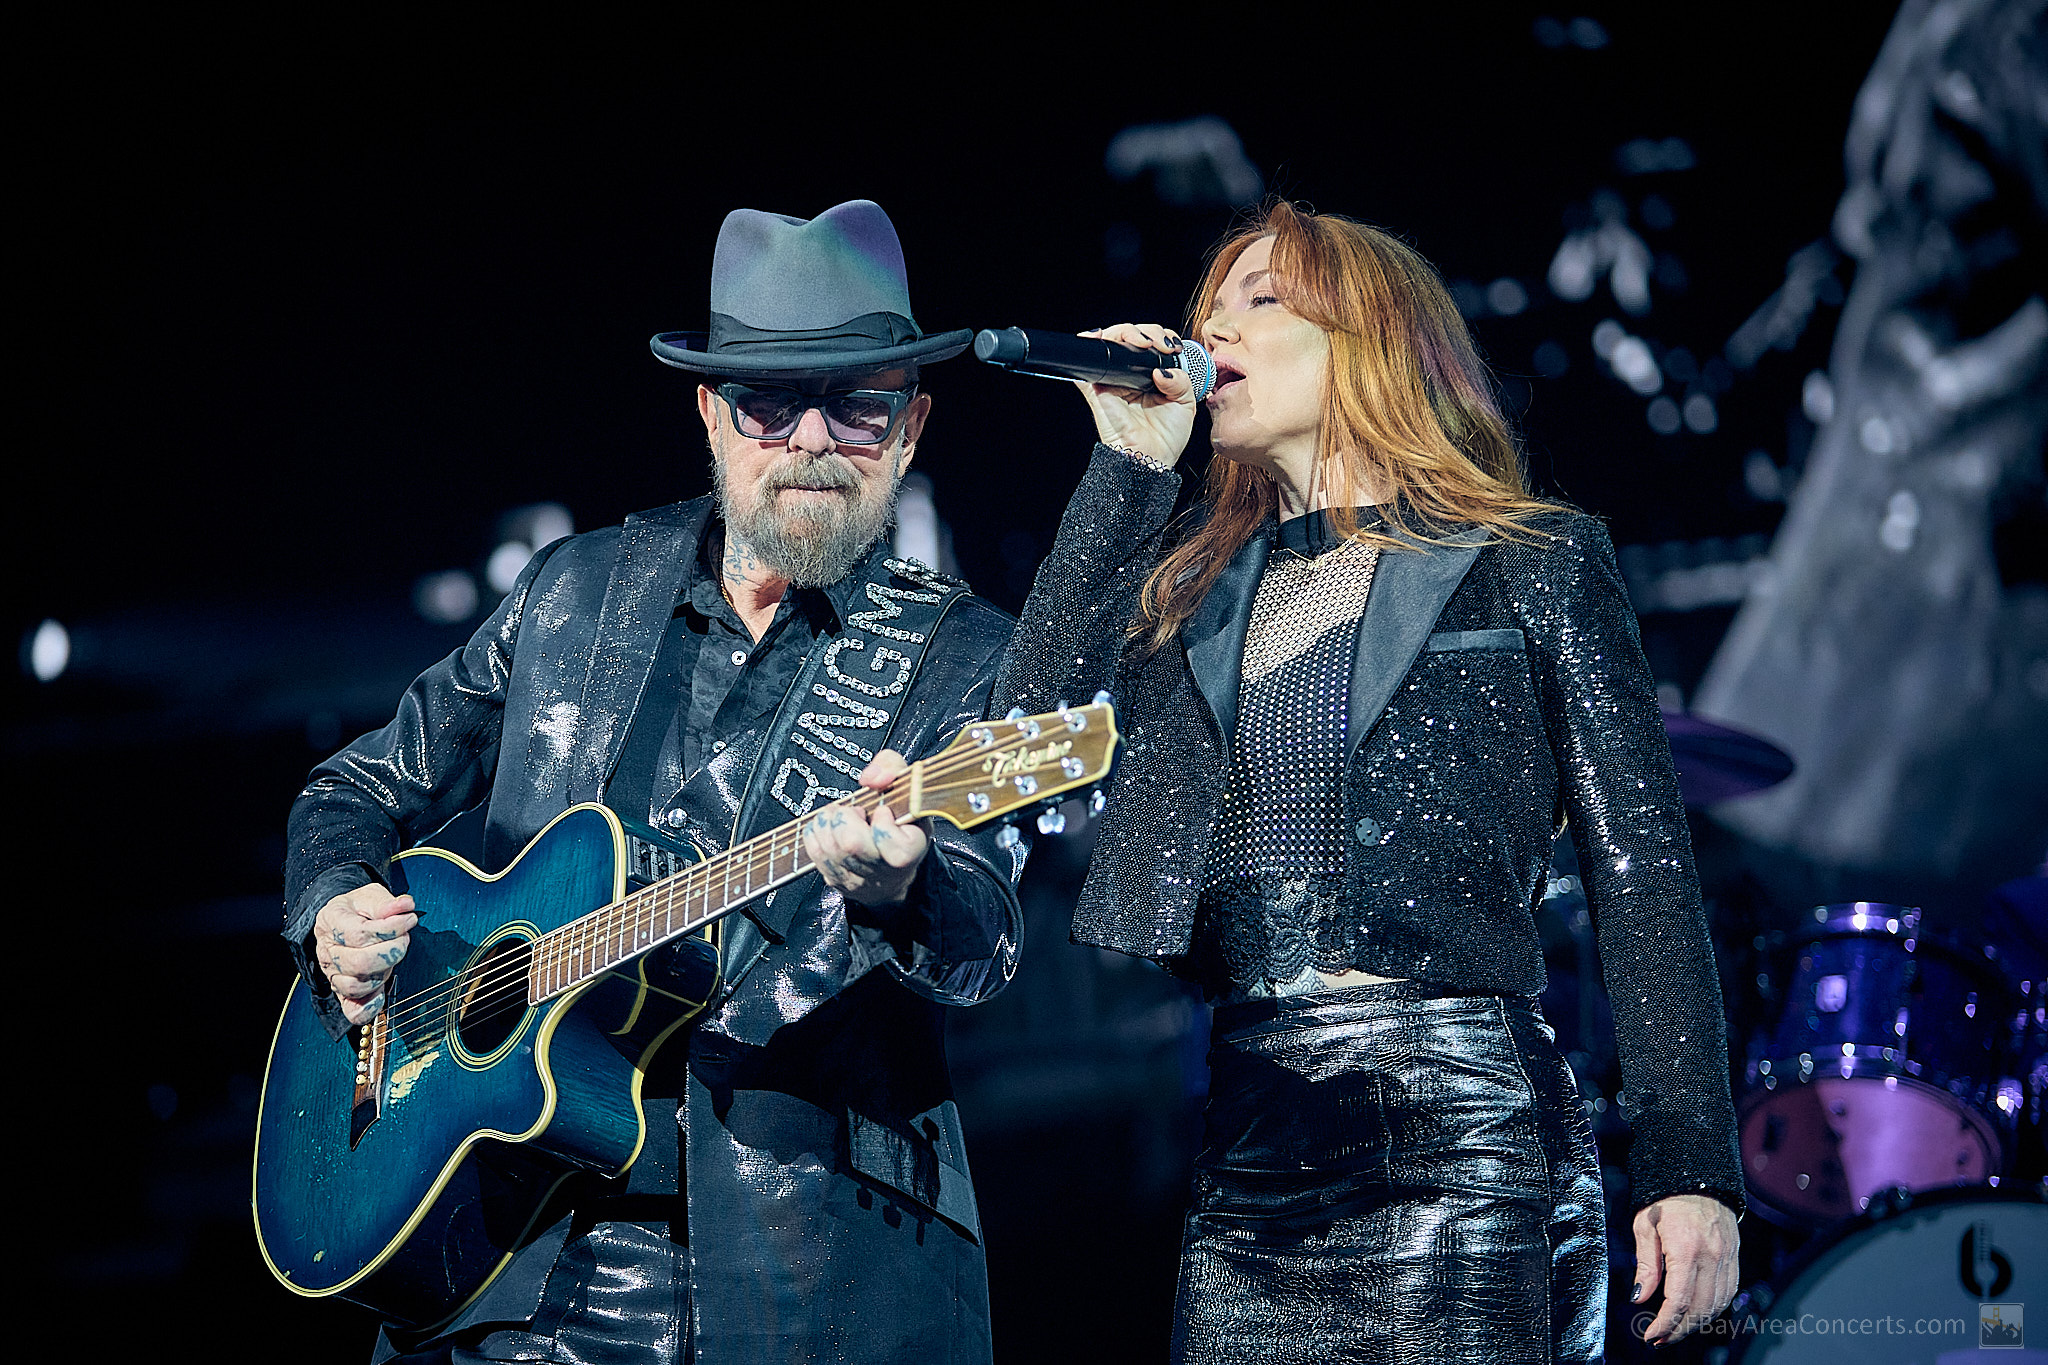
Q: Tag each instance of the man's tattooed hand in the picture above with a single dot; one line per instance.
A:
(869, 861)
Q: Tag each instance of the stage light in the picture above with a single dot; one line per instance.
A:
(1762, 477)
(446, 598)
(1700, 416)
(1635, 366)
(1901, 520)
(521, 532)
(48, 652)
(1506, 297)
(1817, 398)
(1630, 278)
(1575, 268)
(1664, 417)
(1587, 33)
(1195, 162)
(501, 570)
(1607, 334)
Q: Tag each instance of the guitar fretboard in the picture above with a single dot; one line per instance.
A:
(991, 769)
(599, 941)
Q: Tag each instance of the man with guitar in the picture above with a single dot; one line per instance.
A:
(710, 671)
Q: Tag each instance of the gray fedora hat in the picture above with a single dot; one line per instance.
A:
(792, 298)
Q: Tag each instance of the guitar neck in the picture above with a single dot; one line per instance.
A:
(992, 769)
(566, 957)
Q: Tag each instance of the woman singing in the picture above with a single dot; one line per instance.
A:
(1363, 685)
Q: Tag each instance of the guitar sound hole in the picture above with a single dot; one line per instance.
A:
(494, 996)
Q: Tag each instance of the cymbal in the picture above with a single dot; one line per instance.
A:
(1718, 762)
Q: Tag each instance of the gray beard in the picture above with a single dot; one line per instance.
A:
(810, 551)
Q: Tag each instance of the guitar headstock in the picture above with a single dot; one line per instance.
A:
(996, 768)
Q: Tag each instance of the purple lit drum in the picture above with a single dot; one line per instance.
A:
(1889, 1067)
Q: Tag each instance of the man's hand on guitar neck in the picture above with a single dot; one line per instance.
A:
(869, 863)
(357, 939)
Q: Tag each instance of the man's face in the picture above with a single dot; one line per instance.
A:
(806, 504)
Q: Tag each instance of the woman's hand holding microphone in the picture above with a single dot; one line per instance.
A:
(1152, 423)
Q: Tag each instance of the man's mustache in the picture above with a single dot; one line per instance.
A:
(830, 474)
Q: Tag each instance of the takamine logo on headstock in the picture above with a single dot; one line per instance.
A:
(997, 767)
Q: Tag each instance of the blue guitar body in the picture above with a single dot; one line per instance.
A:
(408, 1187)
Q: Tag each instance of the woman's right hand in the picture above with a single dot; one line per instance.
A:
(1154, 422)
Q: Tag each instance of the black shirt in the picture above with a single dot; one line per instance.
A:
(730, 682)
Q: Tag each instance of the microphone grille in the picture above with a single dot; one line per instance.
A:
(1200, 368)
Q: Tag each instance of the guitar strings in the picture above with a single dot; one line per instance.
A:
(503, 986)
(609, 928)
(611, 925)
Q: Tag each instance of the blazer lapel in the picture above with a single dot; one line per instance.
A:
(1409, 590)
(654, 557)
(1214, 634)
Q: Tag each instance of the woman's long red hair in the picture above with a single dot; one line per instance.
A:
(1407, 405)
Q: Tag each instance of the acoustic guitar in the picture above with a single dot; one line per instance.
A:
(403, 1166)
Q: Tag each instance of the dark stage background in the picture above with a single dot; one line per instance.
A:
(305, 314)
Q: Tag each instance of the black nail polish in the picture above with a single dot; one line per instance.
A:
(1635, 1295)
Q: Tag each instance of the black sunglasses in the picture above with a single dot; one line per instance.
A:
(856, 417)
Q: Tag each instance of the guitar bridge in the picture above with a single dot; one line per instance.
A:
(373, 1049)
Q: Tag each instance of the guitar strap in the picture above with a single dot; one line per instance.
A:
(840, 712)
(848, 694)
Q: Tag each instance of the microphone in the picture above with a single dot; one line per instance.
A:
(1062, 355)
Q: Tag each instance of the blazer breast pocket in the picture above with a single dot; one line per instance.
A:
(1507, 639)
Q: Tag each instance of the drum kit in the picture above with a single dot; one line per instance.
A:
(1889, 1107)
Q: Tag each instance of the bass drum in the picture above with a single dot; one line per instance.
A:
(1890, 1066)
(1920, 1278)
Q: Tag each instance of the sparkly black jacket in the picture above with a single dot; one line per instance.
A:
(1497, 690)
(830, 1213)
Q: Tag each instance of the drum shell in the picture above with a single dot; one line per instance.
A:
(1892, 1064)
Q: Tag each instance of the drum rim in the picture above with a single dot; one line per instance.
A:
(1868, 1063)
(1997, 1151)
(1827, 1238)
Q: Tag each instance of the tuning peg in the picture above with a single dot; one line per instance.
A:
(1102, 698)
(1096, 801)
(1060, 706)
(1052, 821)
(1016, 713)
(1007, 837)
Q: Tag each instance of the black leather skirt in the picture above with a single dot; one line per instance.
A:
(1391, 1173)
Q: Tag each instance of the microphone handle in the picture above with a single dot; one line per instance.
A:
(1062, 355)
